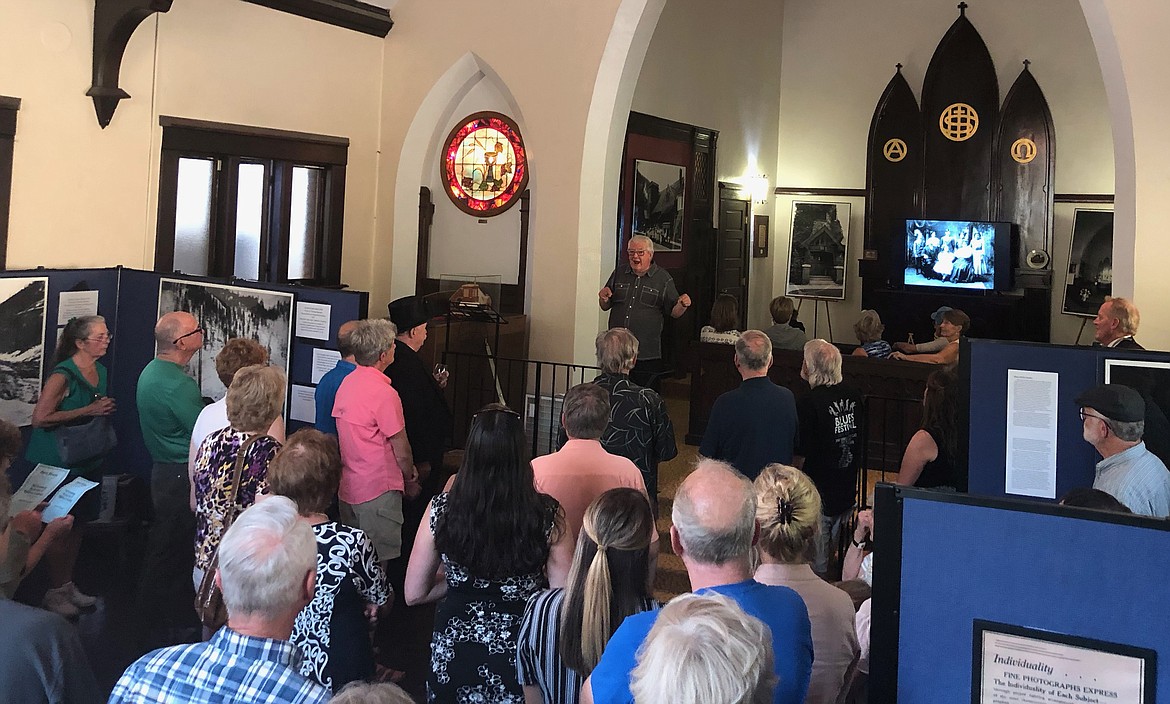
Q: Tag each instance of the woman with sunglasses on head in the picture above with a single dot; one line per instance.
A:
(565, 630)
(492, 533)
(75, 391)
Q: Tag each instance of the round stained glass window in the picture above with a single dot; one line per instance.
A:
(485, 167)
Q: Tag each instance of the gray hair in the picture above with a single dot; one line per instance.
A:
(1128, 431)
(642, 240)
(371, 693)
(586, 411)
(264, 558)
(617, 350)
(753, 350)
(822, 363)
(1126, 314)
(370, 339)
(704, 649)
(716, 544)
(869, 327)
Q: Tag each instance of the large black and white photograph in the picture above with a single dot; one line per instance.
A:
(225, 312)
(659, 194)
(1090, 263)
(1152, 380)
(816, 255)
(22, 346)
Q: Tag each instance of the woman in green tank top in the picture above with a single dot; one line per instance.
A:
(75, 389)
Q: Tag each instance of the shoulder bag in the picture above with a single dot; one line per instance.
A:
(79, 441)
(209, 599)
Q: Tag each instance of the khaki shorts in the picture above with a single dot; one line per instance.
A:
(381, 519)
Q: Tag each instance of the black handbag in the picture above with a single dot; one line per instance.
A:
(83, 440)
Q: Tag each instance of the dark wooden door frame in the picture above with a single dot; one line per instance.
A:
(736, 192)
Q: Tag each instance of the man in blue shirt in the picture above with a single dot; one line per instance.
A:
(756, 424)
(326, 391)
(268, 571)
(713, 532)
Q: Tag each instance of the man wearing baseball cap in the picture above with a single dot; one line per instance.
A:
(936, 345)
(1113, 416)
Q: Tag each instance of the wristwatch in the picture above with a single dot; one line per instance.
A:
(858, 543)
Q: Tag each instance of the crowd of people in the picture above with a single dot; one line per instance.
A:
(352, 567)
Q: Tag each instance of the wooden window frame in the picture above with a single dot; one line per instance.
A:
(229, 145)
(8, 110)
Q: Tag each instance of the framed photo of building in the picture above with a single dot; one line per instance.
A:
(1090, 263)
(660, 203)
(225, 312)
(22, 346)
(818, 250)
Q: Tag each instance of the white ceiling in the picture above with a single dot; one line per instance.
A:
(387, 4)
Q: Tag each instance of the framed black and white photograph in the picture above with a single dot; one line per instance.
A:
(225, 312)
(659, 203)
(1152, 380)
(817, 250)
(22, 346)
(1090, 263)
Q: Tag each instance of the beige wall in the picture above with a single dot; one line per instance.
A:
(836, 65)
(721, 70)
(83, 196)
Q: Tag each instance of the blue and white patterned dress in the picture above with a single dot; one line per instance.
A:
(477, 625)
(332, 631)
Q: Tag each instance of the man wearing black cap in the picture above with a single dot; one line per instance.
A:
(1113, 417)
(428, 427)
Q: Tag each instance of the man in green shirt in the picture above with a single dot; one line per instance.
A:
(169, 403)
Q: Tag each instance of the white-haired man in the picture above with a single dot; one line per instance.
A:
(1116, 324)
(638, 296)
(828, 445)
(714, 529)
(754, 425)
(267, 571)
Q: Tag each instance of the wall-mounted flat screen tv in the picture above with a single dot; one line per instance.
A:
(958, 254)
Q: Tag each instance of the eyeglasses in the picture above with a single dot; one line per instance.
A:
(503, 409)
(99, 338)
(637, 252)
(1093, 415)
(196, 331)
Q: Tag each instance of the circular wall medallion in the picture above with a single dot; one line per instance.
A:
(1023, 150)
(895, 150)
(959, 122)
(1036, 259)
(485, 166)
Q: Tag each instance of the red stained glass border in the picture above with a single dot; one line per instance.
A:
(498, 203)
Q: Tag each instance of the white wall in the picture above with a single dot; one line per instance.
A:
(83, 196)
(721, 69)
(839, 55)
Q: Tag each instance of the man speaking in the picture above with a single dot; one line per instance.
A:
(638, 295)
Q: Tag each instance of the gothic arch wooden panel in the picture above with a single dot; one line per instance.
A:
(960, 109)
(1024, 163)
(893, 175)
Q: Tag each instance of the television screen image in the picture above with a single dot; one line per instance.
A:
(953, 253)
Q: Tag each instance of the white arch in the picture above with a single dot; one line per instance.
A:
(433, 118)
(1101, 28)
(605, 129)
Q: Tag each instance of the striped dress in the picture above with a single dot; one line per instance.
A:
(537, 661)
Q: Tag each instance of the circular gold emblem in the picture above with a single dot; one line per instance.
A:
(958, 122)
(895, 150)
(1023, 150)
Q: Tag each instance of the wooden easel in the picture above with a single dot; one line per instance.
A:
(816, 315)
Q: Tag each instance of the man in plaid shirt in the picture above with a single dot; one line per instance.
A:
(267, 569)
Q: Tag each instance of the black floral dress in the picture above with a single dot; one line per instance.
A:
(477, 625)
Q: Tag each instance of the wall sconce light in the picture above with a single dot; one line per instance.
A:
(760, 189)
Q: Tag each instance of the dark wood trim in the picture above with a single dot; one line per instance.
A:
(8, 108)
(651, 126)
(1083, 198)
(522, 273)
(114, 21)
(168, 197)
(347, 14)
(426, 216)
(833, 192)
(183, 134)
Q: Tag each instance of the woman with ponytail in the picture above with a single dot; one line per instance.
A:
(565, 630)
(788, 511)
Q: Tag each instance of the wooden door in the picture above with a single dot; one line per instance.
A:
(731, 249)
